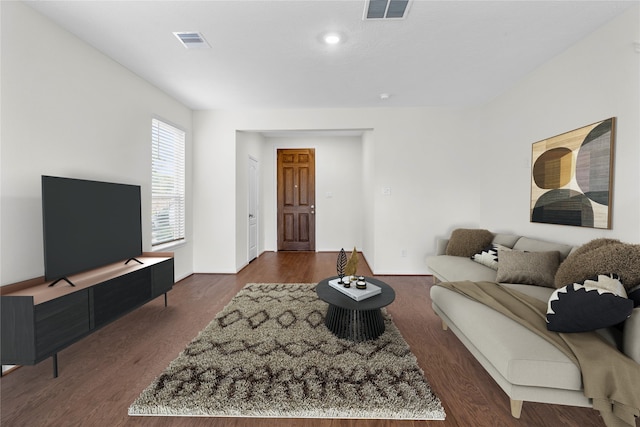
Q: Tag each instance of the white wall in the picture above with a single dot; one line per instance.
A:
(368, 187)
(597, 78)
(419, 155)
(214, 189)
(338, 171)
(414, 151)
(68, 110)
(450, 168)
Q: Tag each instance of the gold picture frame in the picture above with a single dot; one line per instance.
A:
(572, 177)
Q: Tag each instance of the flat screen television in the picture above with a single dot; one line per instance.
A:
(88, 224)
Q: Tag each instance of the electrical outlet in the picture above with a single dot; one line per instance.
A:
(403, 253)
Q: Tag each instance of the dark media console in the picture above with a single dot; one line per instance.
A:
(37, 321)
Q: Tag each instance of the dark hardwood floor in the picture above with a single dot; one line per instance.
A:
(102, 374)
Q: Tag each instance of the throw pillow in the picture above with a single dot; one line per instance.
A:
(594, 304)
(601, 256)
(634, 295)
(466, 242)
(489, 255)
(529, 268)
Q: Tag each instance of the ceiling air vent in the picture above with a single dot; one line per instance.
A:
(191, 40)
(385, 9)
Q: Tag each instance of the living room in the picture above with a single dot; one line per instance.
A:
(86, 129)
(70, 110)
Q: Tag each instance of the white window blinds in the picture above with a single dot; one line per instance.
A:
(167, 183)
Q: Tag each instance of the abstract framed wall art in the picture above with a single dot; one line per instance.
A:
(572, 177)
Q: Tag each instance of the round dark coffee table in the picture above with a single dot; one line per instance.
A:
(351, 319)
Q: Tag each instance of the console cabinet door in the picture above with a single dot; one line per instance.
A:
(162, 277)
(60, 322)
(17, 333)
(115, 297)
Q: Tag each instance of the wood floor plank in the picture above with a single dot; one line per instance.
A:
(101, 375)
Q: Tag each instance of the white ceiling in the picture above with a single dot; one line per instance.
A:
(269, 54)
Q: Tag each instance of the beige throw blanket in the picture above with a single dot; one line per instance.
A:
(610, 379)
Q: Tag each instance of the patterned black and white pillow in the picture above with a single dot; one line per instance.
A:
(489, 255)
(594, 304)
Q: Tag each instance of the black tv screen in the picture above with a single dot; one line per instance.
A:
(88, 224)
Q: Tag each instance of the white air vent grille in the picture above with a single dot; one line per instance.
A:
(386, 9)
(192, 40)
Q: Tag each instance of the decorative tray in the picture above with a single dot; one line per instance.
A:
(353, 292)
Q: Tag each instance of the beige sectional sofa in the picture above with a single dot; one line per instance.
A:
(526, 366)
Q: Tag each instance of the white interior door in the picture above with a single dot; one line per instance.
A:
(253, 209)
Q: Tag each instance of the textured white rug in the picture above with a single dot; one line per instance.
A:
(269, 354)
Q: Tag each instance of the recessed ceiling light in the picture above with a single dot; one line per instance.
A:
(332, 38)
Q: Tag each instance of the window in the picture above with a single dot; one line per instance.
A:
(167, 184)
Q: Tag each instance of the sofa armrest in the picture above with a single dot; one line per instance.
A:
(441, 246)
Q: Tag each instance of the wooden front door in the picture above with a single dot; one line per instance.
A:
(296, 200)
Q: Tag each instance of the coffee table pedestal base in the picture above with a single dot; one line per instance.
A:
(354, 325)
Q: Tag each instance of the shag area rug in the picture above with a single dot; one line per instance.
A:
(269, 354)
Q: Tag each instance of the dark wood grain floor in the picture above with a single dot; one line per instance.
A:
(101, 375)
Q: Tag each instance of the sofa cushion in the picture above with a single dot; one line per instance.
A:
(540, 292)
(631, 336)
(521, 356)
(466, 242)
(534, 245)
(505, 239)
(489, 255)
(530, 268)
(594, 304)
(449, 268)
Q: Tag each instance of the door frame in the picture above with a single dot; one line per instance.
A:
(251, 159)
